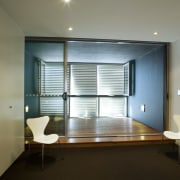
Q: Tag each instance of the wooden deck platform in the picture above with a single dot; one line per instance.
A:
(64, 142)
(101, 132)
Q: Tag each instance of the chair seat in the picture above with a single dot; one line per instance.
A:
(172, 135)
(47, 139)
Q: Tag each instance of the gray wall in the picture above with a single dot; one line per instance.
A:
(149, 89)
(11, 91)
(174, 83)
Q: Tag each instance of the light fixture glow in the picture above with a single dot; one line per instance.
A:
(142, 137)
(155, 33)
(26, 108)
(67, 1)
(70, 28)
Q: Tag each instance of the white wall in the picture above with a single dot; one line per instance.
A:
(11, 91)
(174, 82)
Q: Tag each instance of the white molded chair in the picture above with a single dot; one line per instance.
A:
(175, 135)
(37, 126)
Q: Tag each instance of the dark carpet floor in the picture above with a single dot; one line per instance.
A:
(147, 162)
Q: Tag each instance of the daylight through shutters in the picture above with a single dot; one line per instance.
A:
(100, 84)
(52, 87)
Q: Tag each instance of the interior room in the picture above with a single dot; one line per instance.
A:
(109, 85)
(115, 68)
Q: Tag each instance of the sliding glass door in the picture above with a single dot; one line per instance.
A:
(44, 84)
(70, 80)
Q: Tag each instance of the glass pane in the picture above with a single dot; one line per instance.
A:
(110, 79)
(44, 83)
(126, 79)
(52, 79)
(113, 107)
(83, 79)
(51, 106)
(83, 107)
(97, 52)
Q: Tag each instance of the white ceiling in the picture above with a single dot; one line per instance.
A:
(102, 19)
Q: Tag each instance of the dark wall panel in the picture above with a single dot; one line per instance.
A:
(31, 99)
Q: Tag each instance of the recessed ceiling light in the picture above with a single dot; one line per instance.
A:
(67, 1)
(155, 33)
(70, 28)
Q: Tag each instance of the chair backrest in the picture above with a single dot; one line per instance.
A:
(37, 125)
(177, 121)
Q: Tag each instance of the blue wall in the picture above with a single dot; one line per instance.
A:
(149, 89)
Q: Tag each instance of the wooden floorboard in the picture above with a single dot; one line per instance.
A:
(107, 126)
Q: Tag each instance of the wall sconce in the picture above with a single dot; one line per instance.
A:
(26, 108)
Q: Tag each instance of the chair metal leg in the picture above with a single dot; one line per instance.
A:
(42, 156)
(179, 154)
(161, 143)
